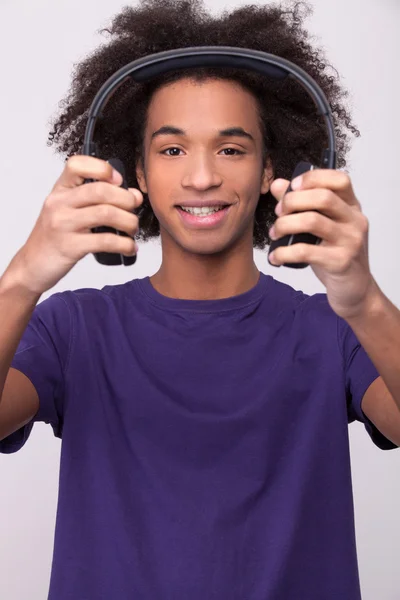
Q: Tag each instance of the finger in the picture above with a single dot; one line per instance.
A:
(106, 242)
(100, 192)
(322, 200)
(279, 188)
(331, 179)
(138, 195)
(307, 222)
(81, 167)
(322, 256)
(86, 218)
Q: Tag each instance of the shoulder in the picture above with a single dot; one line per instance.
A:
(310, 305)
(95, 298)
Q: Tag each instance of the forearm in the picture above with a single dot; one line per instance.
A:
(377, 327)
(16, 307)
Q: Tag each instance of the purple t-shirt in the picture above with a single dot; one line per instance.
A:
(205, 449)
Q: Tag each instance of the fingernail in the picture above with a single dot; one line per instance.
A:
(138, 197)
(117, 177)
(271, 260)
(296, 183)
(278, 208)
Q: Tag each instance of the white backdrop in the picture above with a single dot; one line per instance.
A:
(39, 43)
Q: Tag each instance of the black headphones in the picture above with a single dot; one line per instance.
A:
(154, 65)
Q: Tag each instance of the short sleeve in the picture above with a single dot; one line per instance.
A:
(360, 372)
(42, 355)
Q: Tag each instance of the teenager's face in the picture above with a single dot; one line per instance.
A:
(203, 143)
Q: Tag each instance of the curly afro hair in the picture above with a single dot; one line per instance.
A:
(291, 127)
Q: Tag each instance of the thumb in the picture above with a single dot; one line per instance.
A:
(279, 187)
(138, 195)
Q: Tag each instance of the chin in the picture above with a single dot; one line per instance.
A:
(204, 249)
(209, 244)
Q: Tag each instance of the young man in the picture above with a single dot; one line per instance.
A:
(203, 410)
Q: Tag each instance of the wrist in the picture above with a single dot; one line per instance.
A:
(12, 281)
(372, 306)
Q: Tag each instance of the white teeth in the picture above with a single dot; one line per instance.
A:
(204, 210)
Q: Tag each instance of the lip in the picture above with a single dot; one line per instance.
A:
(198, 204)
(206, 222)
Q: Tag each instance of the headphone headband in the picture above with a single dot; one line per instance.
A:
(153, 65)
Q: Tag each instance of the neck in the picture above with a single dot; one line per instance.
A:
(206, 277)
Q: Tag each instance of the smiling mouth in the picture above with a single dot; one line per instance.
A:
(202, 220)
(197, 210)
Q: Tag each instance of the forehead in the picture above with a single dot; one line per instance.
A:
(211, 103)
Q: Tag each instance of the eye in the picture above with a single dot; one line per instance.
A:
(168, 149)
(238, 152)
(233, 151)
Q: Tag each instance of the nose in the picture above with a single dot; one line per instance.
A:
(201, 173)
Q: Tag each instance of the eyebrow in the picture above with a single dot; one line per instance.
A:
(229, 132)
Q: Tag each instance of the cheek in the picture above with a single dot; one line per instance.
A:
(247, 180)
(248, 191)
(160, 185)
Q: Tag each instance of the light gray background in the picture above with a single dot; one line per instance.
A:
(40, 41)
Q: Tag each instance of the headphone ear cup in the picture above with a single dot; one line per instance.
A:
(110, 258)
(298, 238)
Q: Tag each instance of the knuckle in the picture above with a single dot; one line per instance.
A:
(357, 235)
(98, 190)
(313, 219)
(105, 212)
(53, 201)
(344, 261)
(109, 241)
(328, 199)
(344, 180)
(49, 202)
(302, 252)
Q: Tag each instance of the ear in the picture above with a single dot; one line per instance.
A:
(267, 177)
(140, 176)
